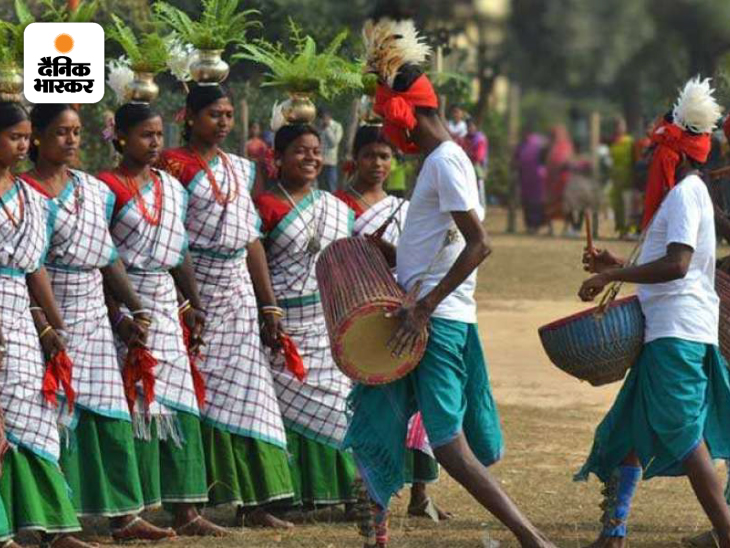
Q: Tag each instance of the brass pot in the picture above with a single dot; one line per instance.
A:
(299, 109)
(142, 89)
(11, 84)
(208, 67)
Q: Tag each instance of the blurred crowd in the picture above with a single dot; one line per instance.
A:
(559, 184)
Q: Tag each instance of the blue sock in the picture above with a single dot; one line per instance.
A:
(618, 514)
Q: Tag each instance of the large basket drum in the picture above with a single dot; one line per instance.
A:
(597, 349)
(357, 289)
(722, 286)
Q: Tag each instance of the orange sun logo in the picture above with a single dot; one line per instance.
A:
(64, 43)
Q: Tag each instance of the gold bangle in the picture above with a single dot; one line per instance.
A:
(46, 330)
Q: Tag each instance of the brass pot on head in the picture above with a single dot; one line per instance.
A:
(142, 88)
(11, 84)
(299, 109)
(209, 68)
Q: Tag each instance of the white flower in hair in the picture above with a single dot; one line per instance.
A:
(696, 108)
(391, 44)
(119, 76)
(180, 57)
(277, 117)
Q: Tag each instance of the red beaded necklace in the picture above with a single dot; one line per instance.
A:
(230, 197)
(130, 182)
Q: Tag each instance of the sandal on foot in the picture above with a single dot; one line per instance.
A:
(708, 539)
(427, 509)
(139, 529)
(201, 527)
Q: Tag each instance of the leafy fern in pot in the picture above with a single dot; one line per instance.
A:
(220, 23)
(305, 70)
(148, 54)
(11, 37)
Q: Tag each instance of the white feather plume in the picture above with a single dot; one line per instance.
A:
(180, 57)
(277, 117)
(696, 108)
(391, 44)
(119, 76)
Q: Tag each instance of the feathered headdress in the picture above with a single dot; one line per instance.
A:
(119, 77)
(696, 109)
(390, 44)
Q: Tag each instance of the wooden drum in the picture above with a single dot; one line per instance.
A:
(357, 289)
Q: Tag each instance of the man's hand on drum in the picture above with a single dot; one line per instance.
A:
(593, 287)
(414, 317)
(597, 261)
(271, 331)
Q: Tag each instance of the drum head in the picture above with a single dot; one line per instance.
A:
(361, 350)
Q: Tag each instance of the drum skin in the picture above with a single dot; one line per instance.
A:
(357, 290)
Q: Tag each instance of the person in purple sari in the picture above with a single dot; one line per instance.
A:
(529, 163)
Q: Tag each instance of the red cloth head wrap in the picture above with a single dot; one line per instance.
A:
(398, 109)
(672, 143)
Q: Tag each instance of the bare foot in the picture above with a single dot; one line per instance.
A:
(261, 518)
(65, 541)
(139, 529)
(201, 527)
(427, 509)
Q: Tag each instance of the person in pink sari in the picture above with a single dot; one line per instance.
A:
(558, 172)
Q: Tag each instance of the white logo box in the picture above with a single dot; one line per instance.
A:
(68, 85)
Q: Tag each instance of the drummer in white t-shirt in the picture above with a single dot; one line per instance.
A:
(672, 415)
(442, 244)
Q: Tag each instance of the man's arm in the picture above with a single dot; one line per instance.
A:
(673, 266)
(415, 316)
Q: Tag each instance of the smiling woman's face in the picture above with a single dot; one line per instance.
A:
(302, 160)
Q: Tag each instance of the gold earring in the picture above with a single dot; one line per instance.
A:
(36, 142)
(122, 142)
(190, 122)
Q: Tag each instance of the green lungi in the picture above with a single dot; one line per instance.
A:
(35, 495)
(100, 466)
(172, 472)
(674, 397)
(420, 467)
(451, 389)
(320, 474)
(5, 532)
(244, 471)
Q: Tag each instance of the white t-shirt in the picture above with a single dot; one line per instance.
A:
(688, 308)
(446, 183)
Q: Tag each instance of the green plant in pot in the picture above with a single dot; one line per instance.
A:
(147, 57)
(219, 25)
(303, 71)
(11, 53)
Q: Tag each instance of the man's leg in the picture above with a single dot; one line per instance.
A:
(459, 461)
(708, 489)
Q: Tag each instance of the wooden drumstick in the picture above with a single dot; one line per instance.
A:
(589, 238)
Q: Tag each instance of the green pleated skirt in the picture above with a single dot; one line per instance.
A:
(100, 465)
(321, 475)
(420, 467)
(35, 495)
(244, 471)
(173, 472)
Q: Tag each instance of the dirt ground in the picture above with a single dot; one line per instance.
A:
(548, 420)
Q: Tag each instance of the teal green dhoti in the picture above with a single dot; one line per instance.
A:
(451, 389)
(675, 396)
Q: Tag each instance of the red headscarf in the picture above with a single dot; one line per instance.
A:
(398, 109)
(672, 142)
